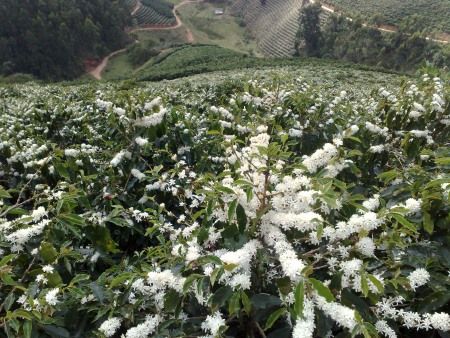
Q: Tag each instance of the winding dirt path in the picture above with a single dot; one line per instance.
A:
(98, 70)
(382, 28)
(136, 8)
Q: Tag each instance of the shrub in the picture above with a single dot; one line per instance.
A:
(242, 209)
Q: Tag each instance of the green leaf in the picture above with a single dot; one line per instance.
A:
(232, 210)
(403, 221)
(434, 302)
(353, 138)
(443, 161)
(78, 278)
(56, 331)
(54, 279)
(226, 190)
(213, 132)
(61, 169)
(20, 313)
(210, 206)
(273, 318)
(4, 193)
(376, 282)
(265, 301)
(246, 303)
(299, 299)
(241, 218)
(428, 223)
(97, 290)
(5, 260)
(437, 182)
(120, 279)
(284, 285)
(48, 252)
(321, 289)
(364, 285)
(230, 266)
(190, 280)
(243, 182)
(171, 300)
(8, 280)
(217, 272)
(209, 259)
(234, 304)
(72, 219)
(221, 296)
(27, 328)
(388, 176)
(9, 301)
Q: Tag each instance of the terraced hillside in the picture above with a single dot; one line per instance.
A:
(274, 24)
(154, 12)
(131, 4)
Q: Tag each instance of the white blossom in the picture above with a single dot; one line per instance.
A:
(110, 326)
(418, 278)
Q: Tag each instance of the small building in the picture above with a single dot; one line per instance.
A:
(218, 11)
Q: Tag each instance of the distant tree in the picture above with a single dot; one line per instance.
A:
(376, 19)
(7, 68)
(413, 24)
(310, 30)
(353, 41)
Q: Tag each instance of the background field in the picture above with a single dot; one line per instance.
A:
(222, 30)
(273, 24)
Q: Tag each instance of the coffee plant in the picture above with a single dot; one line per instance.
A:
(246, 208)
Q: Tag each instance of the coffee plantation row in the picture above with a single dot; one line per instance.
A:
(262, 206)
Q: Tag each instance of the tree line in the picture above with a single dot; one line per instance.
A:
(51, 38)
(337, 37)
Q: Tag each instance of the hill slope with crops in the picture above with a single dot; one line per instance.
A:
(298, 201)
(274, 24)
(431, 14)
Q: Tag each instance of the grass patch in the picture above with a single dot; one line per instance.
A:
(222, 30)
(118, 67)
(121, 66)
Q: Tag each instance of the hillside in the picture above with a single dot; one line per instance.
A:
(430, 15)
(299, 201)
(55, 40)
(273, 24)
(325, 34)
(187, 60)
(147, 13)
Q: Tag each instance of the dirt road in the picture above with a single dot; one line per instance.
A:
(97, 71)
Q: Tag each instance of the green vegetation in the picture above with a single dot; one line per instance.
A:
(433, 14)
(347, 40)
(154, 12)
(161, 6)
(197, 59)
(273, 24)
(151, 43)
(290, 203)
(51, 38)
